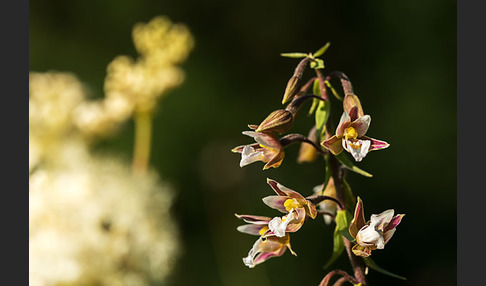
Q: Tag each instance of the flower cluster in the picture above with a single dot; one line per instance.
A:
(136, 85)
(92, 219)
(333, 198)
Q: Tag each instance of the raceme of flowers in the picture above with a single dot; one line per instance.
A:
(332, 197)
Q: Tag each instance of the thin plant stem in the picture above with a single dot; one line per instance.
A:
(356, 262)
(143, 134)
(340, 281)
(327, 279)
(322, 84)
(345, 82)
(294, 137)
(307, 85)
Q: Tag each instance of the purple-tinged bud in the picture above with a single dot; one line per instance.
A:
(295, 82)
(279, 121)
(352, 106)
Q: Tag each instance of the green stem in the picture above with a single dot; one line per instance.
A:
(143, 134)
(356, 262)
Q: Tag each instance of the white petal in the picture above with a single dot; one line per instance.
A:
(279, 226)
(358, 149)
(248, 261)
(257, 136)
(380, 221)
(368, 236)
(249, 155)
(344, 118)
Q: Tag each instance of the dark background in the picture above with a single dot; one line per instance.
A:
(401, 59)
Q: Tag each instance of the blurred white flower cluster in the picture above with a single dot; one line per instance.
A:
(92, 220)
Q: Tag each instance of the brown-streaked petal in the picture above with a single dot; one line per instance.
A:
(293, 227)
(276, 187)
(297, 220)
(239, 149)
(282, 190)
(394, 222)
(361, 125)
(254, 218)
(253, 126)
(344, 121)
(265, 139)
(380, 221)
(350, 101)
(359, 250)
(264, 256)
(253, 229)
(276, 202)
(353, 113)
(311, 210)
(295, 195)
(275, 161)
(376, 144)
(358, 220)
(387, 235)
(333, 144)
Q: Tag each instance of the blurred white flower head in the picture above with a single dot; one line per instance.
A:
(92, 219)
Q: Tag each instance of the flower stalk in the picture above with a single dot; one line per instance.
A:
(143, 137)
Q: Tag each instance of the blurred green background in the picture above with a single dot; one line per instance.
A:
(401, 59)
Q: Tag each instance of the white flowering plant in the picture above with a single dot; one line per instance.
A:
(93, 218)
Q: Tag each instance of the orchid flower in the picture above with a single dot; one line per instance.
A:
(267, 149)
(293, 204)
(268, 245)
(351, 130)
(375, 233)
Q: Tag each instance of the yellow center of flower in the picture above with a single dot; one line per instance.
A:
(350, 133)
(291, 204)
(262, 231)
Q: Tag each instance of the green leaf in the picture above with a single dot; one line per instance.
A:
(374, 266)
(322, 50)
(348, 164)
(334, 92)
(321, 113)
(337, 248)
(349, 199)
(294, 55)
(343, 219)
(328, 173)
(316, 90)
(313, 107)
(317, 64)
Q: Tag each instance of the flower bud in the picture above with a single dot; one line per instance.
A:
(351, 104)
(293, 87)
(279, 121)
